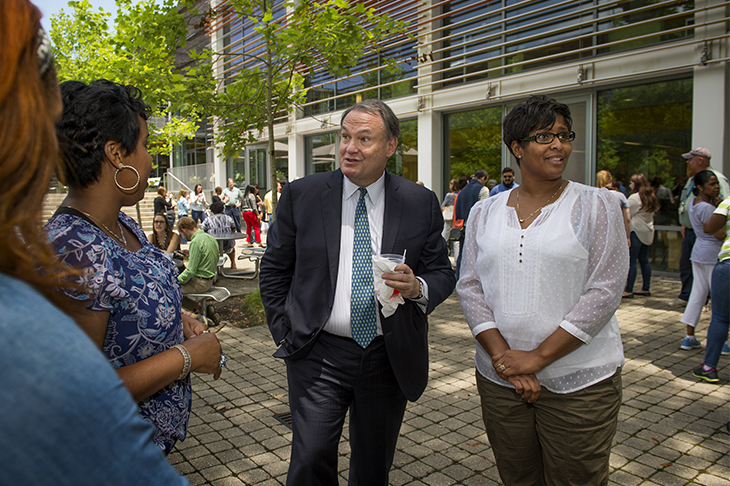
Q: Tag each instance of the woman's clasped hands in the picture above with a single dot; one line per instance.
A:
(519, 368)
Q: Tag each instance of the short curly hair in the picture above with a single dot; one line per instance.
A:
(93, 115)
(538, 112)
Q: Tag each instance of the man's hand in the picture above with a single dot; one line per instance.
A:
(405, 281)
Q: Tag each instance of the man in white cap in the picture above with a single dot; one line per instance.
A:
(698, 159)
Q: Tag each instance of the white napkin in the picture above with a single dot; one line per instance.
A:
(389, 298)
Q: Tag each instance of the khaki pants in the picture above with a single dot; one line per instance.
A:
(561, 439)
(195, 285)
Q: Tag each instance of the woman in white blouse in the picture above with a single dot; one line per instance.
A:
(541, 278)
(643, 203)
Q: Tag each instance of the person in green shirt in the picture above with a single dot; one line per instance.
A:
(202, 262)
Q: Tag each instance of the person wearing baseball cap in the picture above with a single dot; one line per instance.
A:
(697, 159)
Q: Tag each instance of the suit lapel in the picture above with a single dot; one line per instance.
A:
(392, 216)
(332, 213)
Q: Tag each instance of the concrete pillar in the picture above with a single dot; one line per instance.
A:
(430, 151)
(297, 166)
(430, 136)
(711, 91)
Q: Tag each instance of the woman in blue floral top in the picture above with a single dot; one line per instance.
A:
(129, 299)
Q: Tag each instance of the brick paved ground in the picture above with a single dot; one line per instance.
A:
(671, 426)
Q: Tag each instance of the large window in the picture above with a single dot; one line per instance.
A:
(646, 129)
(473, 140)
(405, 160)
(321, 152)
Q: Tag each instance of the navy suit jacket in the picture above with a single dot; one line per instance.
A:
(299, 269)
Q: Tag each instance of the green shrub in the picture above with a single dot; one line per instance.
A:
(252, 305)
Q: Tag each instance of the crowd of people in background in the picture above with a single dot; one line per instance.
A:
(240, 206)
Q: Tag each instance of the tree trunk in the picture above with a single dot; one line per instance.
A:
(270, 123)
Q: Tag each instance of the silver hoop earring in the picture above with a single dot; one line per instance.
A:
(121, 168)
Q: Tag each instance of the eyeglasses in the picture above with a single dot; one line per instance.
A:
(158, 222)
(547, 137)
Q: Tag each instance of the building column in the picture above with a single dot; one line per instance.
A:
(430, 132)
(430, 151)
(710, 123)
(296, 156)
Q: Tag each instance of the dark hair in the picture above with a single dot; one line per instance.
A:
(463, 181)
(168, 231)
(250, 189)
(701, 179)
(217, 206)
(538, 112)
(29, 100)
(377, 107)
(649, 201)
(195, 189)
(93, 115)
(507, 169)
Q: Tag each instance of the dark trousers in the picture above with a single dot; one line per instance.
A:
(338, 375)
(234, 213)
(640, 252)
(685, 265)
(718, 331)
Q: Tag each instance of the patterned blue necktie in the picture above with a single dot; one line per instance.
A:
(362, 307)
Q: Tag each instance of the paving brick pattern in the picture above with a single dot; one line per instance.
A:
(671, 425)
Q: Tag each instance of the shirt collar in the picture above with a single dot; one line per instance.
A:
(375, 190)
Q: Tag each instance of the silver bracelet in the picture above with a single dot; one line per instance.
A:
(186, 358)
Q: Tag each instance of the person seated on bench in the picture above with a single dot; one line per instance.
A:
(221, 223)
(197, 278)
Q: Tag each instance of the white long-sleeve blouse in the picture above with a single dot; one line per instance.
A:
(567, 269)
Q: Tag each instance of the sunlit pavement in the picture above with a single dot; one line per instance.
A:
(671, 426)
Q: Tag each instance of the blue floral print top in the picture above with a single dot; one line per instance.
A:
(141, 291)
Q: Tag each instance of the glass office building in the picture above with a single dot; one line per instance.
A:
(646, 81)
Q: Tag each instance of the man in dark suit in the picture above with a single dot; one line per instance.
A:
(316, 282)
(474, 191)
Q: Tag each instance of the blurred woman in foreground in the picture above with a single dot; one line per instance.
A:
(65, 416)
(541, 277)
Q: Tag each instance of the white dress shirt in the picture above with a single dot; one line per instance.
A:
(339, 320)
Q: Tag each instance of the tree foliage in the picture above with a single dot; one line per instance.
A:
(295, 39)
(139, 50)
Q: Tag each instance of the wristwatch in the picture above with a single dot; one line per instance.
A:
(420, 290)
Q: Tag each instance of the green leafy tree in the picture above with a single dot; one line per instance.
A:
(331, 35)
(139, 50)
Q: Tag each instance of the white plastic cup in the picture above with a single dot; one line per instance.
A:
(394, 258)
